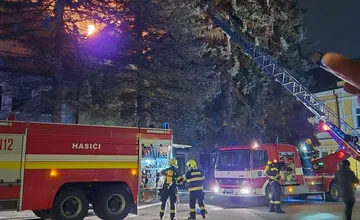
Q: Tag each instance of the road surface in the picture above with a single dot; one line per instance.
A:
(223, 208)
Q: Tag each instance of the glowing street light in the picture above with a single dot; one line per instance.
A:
(91, 29)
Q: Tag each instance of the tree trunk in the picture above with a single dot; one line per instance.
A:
(57, 88)
(227, 104)
(142, 114)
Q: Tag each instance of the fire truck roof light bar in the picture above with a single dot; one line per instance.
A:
(268, 65)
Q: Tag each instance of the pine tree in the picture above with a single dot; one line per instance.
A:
(154, 53)
(49, 39)
(181, 70)
(156, 61)
(264, 109)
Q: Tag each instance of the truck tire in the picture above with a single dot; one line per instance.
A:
(70, 204)
(112, 203)
(333, 195)
(42, 214)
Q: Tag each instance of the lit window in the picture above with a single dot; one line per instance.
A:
(357, 118)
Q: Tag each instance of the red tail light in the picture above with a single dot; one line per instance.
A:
(341, 155)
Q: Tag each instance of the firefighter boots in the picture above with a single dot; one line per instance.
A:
(280, 211)
(192, 215)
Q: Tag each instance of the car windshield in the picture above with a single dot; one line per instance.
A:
(233, 160)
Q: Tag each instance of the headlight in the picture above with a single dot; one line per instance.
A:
(245, 191)
(216, 189)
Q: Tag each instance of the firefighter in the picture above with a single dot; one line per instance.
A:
(195, 179)
(169, 188)
(273, 171)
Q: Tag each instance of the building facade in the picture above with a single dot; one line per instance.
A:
(346, 106)
(29, 99)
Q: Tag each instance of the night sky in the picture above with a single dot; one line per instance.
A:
(336, 24)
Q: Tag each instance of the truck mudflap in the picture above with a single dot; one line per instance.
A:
(134, 209)
(295, 189)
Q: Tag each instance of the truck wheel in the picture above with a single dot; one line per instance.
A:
(70, 204)
(333, 195)
(113, 203)
(43, 214)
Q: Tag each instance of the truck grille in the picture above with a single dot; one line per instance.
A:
(229, 181)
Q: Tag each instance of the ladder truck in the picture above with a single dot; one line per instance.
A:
(322, 179)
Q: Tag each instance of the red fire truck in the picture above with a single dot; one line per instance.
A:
(239, 172)
(57, 170)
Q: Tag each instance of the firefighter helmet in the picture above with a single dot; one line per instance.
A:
(191, 164)
(308, 141)
(173, 162)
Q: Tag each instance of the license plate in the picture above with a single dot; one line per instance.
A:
(229, 190)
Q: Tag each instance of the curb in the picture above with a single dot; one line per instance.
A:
(148, 206)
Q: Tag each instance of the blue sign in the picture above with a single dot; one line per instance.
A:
(338, 131)
(165, 125)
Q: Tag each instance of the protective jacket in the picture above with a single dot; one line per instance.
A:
(195, 179)
(273, 172)
(347, 180)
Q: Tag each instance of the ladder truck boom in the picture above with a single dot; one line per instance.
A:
(345, 135)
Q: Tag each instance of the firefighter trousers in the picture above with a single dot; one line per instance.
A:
(275, 204)
(165, 195)
(199, 196)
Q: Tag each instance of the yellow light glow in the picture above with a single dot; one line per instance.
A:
(290, 189)
(53, 173)
(91, 29)
(134, 172)
(312, 183)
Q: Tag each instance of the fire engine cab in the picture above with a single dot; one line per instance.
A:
(58, 170)
(239, 172)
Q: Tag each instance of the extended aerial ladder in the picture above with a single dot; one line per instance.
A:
(346, 136)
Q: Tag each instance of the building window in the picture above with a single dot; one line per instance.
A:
(129, 105)
(20, 100)
(357, 117)
(68, 114)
